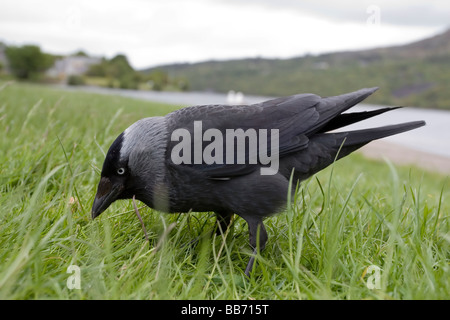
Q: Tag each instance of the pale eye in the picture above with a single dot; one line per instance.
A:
(120, 171)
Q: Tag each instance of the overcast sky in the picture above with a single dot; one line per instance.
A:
(157, 32)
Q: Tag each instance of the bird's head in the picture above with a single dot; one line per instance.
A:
(132, 164)
(114, 177)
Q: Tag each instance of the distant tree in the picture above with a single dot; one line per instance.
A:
(127, 81)
(182, 84)
(75, 80)
(159, 79)
(28, 61)
(99, 69)
(119, 67)
(80, 53)
(119, 73)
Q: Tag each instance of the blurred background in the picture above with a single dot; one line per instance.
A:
(266, 47)
(217, 51)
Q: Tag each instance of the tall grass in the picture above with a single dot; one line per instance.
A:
(351, 216)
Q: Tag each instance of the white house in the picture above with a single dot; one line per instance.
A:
(70, 66)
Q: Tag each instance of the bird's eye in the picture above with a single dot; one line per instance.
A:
(120, 171)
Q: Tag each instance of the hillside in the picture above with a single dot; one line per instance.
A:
(416, 74)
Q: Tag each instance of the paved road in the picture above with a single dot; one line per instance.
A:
(434, 138)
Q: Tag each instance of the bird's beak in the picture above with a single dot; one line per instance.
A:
(107, 193)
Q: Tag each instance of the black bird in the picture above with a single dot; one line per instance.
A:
(141, 161)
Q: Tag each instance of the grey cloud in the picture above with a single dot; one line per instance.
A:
(406, 13)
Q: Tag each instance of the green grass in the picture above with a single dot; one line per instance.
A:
(353, 215)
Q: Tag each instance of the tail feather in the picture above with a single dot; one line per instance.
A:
(331, 107)
(364, 136)
(338, 104)
(346, 119)
(325, 148)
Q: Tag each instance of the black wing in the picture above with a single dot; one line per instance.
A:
(296, 117)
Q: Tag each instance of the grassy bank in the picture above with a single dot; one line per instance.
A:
(354, 215)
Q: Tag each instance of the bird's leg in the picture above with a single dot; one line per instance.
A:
(258, 238)
(223, 222)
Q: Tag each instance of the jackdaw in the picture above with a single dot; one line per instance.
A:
(150, 159)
